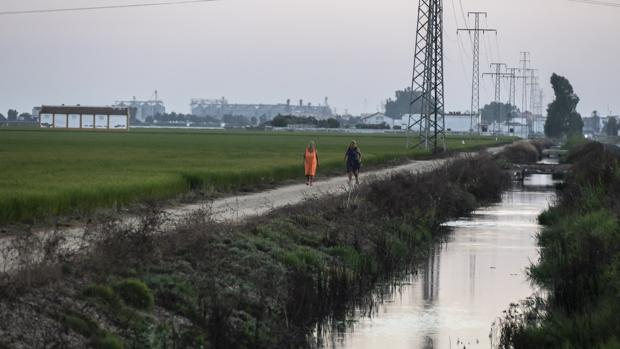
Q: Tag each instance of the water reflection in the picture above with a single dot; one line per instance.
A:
(465, 283)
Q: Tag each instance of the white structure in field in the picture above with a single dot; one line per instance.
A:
(457, 123)
(84, 118)
(378, 119)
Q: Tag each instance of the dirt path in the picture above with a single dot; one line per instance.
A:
(238, 208)
(241, 207)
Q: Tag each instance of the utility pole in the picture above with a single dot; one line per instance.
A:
(512, 94)
(533, 84)
(498, 82)
(498, 75)
(525, 61)
(540, 104)
(475, 81)
(537, 104)
(428, 78)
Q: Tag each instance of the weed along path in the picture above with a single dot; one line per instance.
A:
(237, 208)
(265, 283)
(232, 209)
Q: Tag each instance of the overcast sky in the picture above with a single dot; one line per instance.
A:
(356, 52)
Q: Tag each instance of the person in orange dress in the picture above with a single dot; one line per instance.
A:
(311, 162)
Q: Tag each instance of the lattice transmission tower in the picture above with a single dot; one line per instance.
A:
(475, 80)
(427, 87)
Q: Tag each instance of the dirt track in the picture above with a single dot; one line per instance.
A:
(238, 208)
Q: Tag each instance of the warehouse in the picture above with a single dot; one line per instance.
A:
(84, 118)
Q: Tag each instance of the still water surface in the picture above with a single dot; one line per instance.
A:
(466, 282)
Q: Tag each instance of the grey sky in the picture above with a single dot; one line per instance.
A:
(265, 51)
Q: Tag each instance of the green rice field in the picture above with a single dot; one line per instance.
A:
(47, 173)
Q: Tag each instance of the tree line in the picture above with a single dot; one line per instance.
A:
(14, 115)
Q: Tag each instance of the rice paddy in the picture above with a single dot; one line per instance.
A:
(47, 173)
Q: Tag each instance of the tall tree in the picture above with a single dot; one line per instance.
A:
(562, 116)
(499, 112)
(396, 108)
(25, 117)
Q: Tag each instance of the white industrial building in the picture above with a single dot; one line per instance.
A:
(378, 119)
(219, 108)
(458, 123)
(140, 110)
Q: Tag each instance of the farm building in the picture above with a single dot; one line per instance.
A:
(84, 118)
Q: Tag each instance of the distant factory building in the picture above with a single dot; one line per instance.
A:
(84, 118)
(140, 110)
(219, 108)
(378, 119)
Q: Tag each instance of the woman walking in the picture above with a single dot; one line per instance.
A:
(311, 162)
(353, 158)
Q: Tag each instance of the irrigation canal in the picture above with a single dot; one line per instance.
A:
(465, 284)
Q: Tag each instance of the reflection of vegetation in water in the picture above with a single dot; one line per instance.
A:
(579, 264)
(390, 284)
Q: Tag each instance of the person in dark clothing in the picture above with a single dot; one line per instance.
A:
(353, 159)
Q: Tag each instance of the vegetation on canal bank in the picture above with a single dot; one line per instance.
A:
(263, 284)
(49, 173)
(579, 264)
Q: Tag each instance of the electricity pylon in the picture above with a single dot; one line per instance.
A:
(427, 87)
(475, 81)
(498, 75)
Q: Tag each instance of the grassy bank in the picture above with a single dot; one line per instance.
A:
(579, 264)
(264, 284)
(46, 173)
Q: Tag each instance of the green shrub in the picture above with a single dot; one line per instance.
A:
(80, 324)
(347, 255)
(135, 293)
(303, 258)
(102, 293)
(550, 216)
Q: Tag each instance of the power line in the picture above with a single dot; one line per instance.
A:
(95, 8)
(597, 3)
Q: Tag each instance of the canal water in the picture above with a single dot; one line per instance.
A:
(466, 283)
